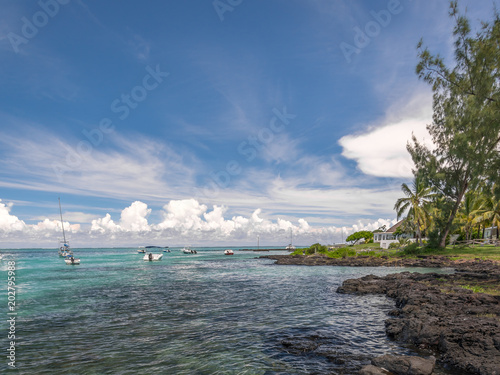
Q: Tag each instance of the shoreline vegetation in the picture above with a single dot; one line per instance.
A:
(453, 319)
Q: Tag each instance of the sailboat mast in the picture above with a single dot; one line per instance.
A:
(62, 223)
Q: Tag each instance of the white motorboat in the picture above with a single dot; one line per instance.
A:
(72, 261)
(141, 250)
(188, 250)
(152, 257)
(228, 252)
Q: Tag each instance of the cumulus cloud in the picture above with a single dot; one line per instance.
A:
(50, 226)
(132, 219)
(15, 231)
(381, 149)
(190, 220)
(183, 221)
(8, 222)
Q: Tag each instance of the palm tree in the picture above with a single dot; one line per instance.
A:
(416, 204)
(469, 211)
(489, 211)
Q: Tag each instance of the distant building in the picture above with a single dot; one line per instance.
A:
(388, 237)
(491, 232)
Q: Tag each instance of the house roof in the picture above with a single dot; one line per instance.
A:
(394, 227)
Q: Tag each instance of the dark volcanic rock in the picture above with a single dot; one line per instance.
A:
(373, 370)
(360, 261)
(462, 326)
(405, 365)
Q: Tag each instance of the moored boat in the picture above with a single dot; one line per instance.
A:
(228, 252)
(290, 247)
(64, 248)
(188, 250)
(152, 257)
(72, 261)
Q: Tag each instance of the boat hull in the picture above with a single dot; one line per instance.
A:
(152, 257)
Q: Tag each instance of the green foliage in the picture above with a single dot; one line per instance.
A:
(465, 128)
(316, 248)
(343, 252)
(299, 251)
(356, 236)
(394, 245)
(416, 204)
(412, 249)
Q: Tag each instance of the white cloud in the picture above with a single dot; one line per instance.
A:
(8, 222)
(133, 218)
(184, 222)
(48, 226)
(104, 224)
(137, 166)
(381, 150)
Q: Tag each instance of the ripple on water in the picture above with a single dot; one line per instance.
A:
(208, 314)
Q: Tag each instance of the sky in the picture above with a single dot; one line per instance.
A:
(211, 123)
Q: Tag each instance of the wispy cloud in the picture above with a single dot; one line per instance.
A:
(135, 166)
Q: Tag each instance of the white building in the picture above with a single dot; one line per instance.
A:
(388, 237)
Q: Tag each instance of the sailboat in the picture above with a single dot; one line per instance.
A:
(64, 248)
(290, 245)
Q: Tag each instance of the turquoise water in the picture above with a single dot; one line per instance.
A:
(186, 314)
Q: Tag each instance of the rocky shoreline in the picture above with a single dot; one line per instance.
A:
(439, 315)
(362, 261)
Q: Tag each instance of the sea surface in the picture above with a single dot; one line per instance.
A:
(206, 313)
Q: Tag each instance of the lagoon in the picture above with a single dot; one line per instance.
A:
(188, 314)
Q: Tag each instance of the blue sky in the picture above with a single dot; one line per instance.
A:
(210, 122)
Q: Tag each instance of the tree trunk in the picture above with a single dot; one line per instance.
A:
(419, 235)
(442, 242)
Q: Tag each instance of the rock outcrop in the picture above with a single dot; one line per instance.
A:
(433, 313)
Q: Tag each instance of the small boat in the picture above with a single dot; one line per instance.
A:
(141, 250)
(152, 257)
(188, 250)
(64, 248)
(228, 252)
(72, 261)
(290, 246)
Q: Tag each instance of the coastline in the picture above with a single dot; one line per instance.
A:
(439, 315)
